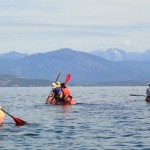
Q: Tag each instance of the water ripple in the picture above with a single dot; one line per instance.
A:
(103, 118)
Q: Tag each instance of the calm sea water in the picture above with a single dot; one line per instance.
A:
(104, 118)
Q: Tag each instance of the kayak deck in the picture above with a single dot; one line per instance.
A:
(69, 101)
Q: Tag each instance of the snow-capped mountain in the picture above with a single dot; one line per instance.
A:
(115, 54)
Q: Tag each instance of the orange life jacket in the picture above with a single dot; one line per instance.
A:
(65, 91)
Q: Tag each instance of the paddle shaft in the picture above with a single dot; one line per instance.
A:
(57, 77)
(137, 95)
(7, 113)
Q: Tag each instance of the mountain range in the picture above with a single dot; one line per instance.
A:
(85, 68)
(13, 55)
(115, 54)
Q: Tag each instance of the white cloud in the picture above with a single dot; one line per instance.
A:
(84, 24)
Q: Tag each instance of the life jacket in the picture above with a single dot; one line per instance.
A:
(57, 91)
(65, 91)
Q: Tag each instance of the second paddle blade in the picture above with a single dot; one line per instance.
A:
(19, 122)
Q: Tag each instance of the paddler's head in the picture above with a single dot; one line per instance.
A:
(56, 85)
(148, 84)
(63, 85)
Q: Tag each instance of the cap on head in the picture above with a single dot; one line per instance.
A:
(148, 83)
(56, 85)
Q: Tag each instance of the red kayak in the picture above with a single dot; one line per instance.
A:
(147, 99)
(69, 101)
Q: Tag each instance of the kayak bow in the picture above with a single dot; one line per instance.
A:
(147, 99)
(69, 101)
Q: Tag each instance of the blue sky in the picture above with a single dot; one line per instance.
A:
(32, 26)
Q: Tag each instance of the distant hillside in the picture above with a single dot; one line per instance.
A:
(13, 55)
(10, 80)
(85, 68)
(14, 81)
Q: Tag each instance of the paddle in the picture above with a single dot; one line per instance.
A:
(51, 90)
(68, 77)
(19, 122)
(57, 77)
(137, 95)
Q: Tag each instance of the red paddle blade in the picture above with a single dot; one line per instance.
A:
(68, 78)
(19, 122)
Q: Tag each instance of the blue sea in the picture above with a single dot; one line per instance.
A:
(104, 118)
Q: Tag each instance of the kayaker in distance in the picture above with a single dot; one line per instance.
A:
(148, 91)
(60, 94)
(60, 91)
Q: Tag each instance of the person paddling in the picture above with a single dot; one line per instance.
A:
(65, 91)
(60, 92)
(57, 92)
(148, 91)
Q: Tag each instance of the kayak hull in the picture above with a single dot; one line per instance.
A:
(69, 101)
(147, 99)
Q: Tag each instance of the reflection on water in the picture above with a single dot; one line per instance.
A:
(103, 118)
